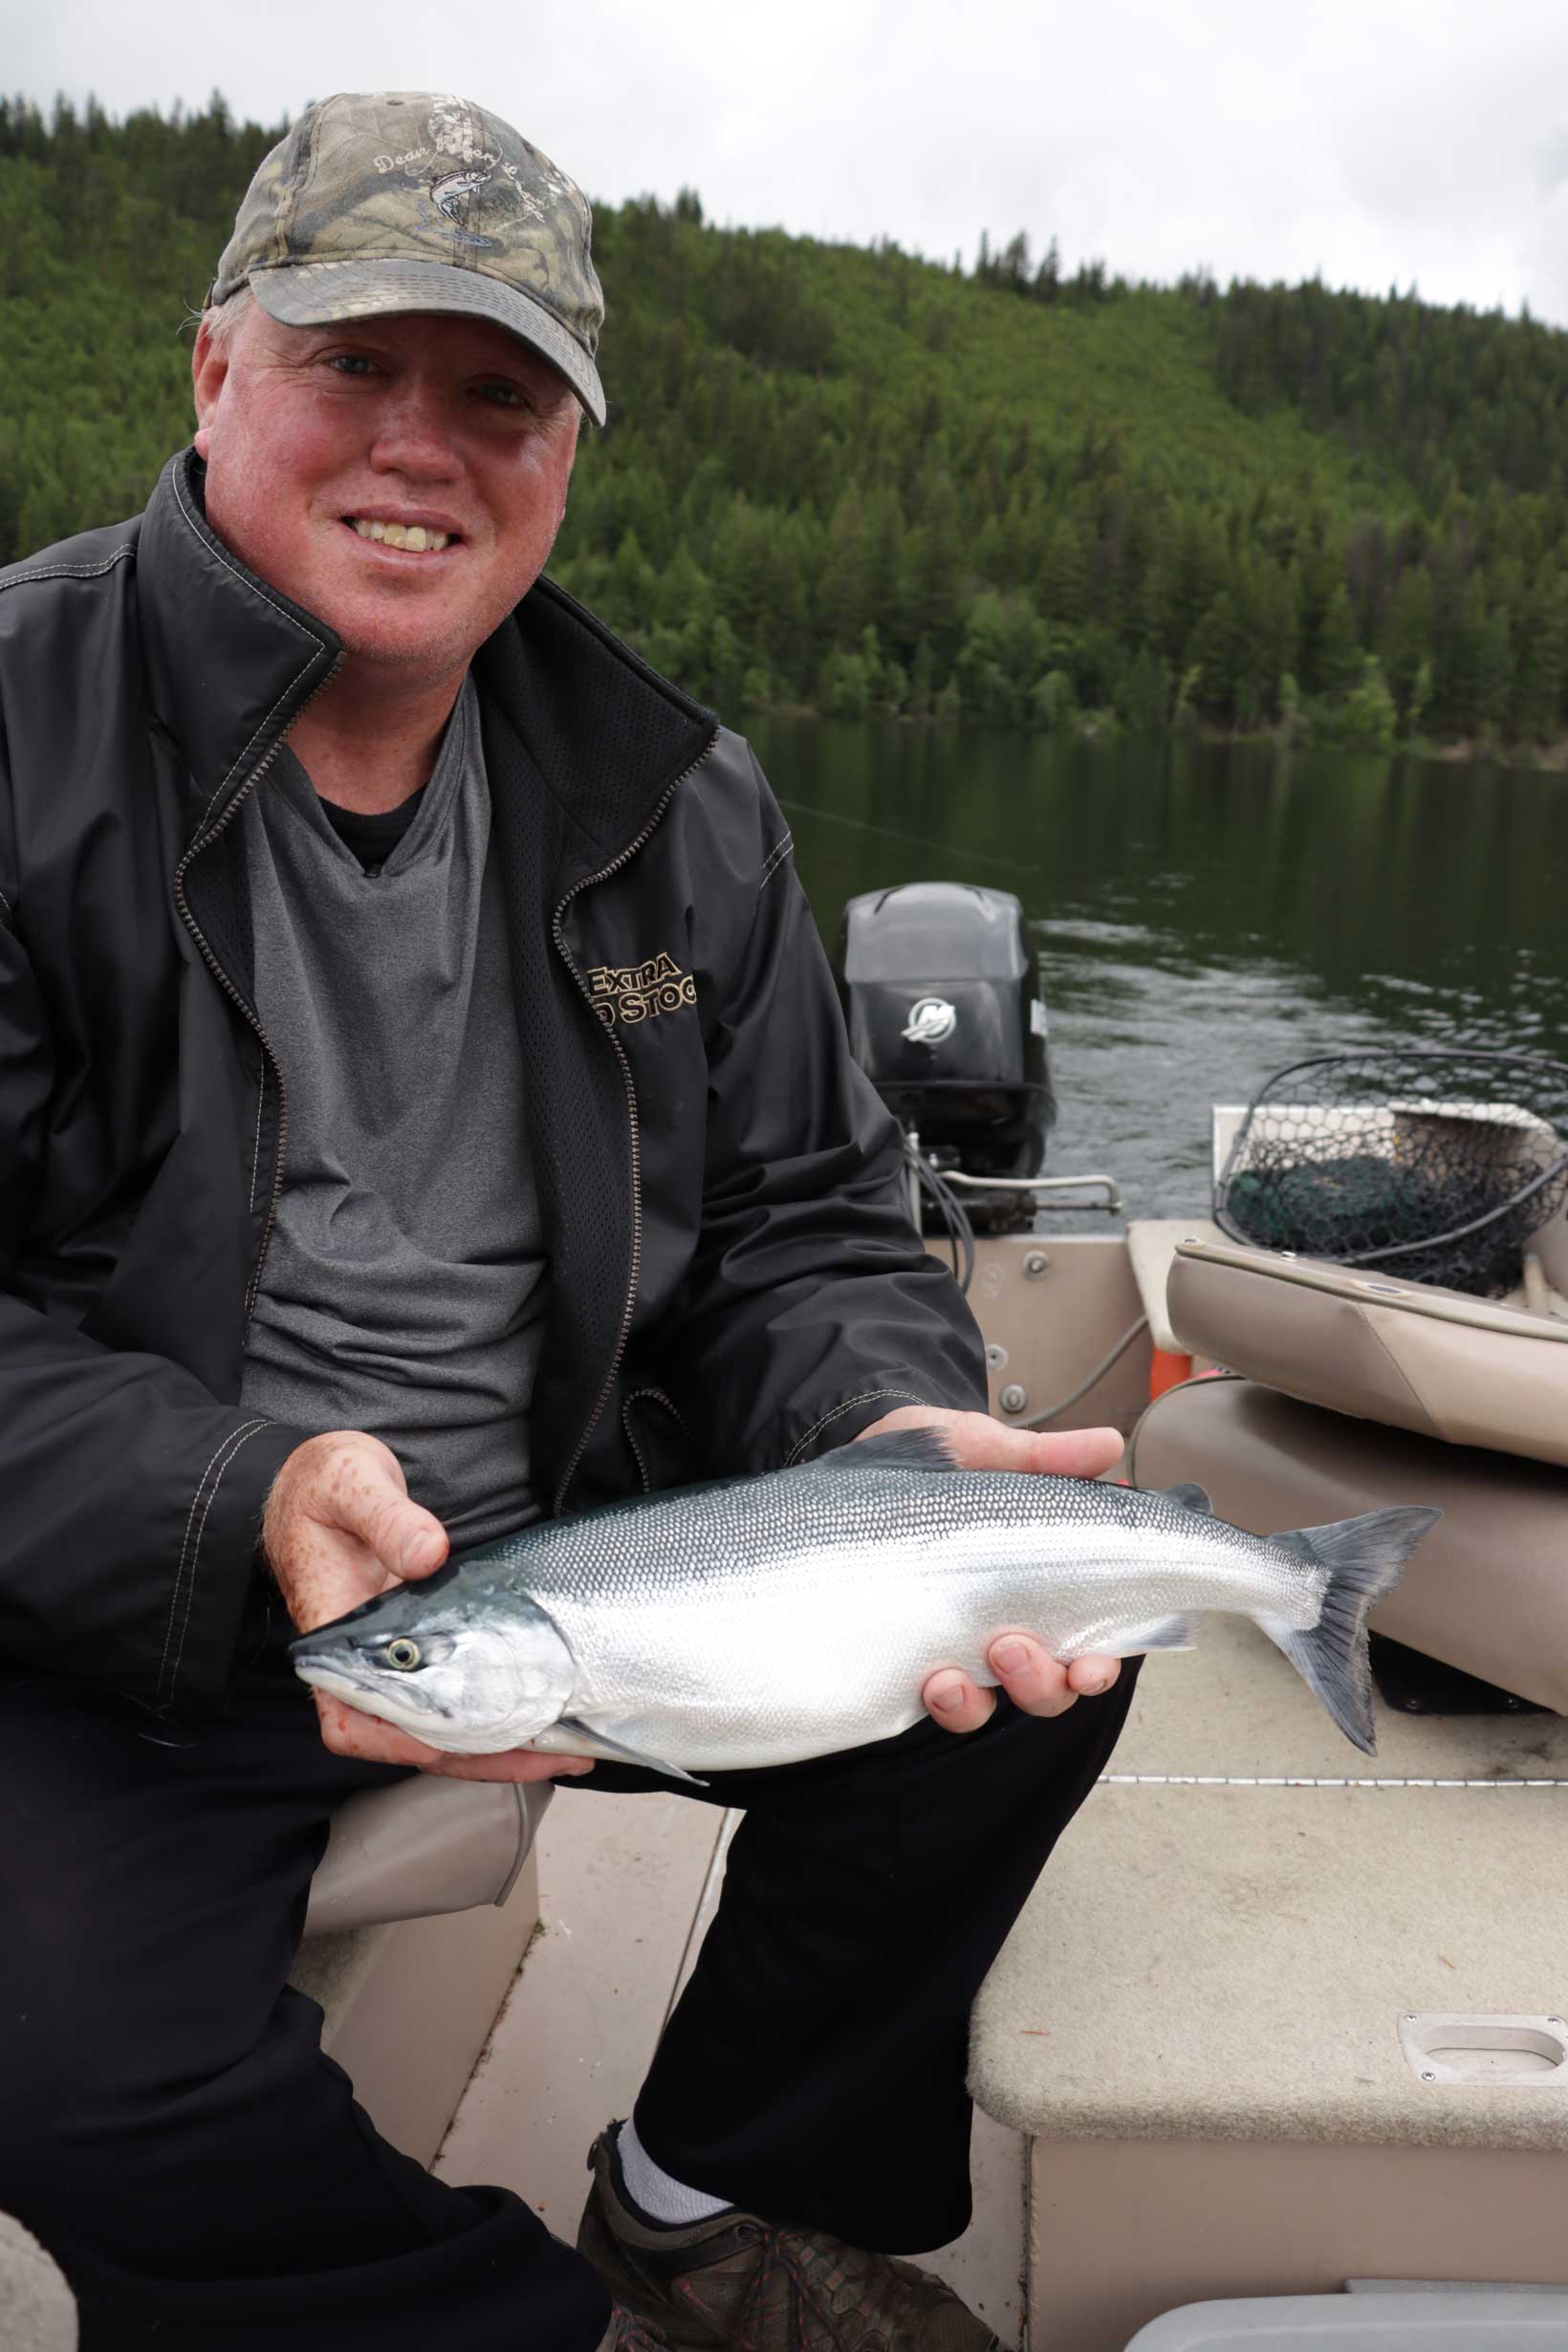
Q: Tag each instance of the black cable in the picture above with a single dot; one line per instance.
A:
(955, 1217)
(957, 1220)
(1038, 1420)
(964, 1234)
(942, 1197)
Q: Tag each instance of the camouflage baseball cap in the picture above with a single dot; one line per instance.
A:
(411, 200)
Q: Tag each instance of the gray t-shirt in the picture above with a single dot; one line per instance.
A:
(405, 1285)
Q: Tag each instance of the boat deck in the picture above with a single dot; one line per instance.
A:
(1252, 1899)
(627, 1885)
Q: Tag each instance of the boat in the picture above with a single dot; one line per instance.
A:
(1280, 2021)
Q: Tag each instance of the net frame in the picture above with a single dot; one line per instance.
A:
(1400, 1157)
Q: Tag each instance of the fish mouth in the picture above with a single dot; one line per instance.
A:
(328, 1673)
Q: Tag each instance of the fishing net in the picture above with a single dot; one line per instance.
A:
(1433, 1167)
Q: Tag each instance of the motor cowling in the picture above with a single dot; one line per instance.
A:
(942, 996)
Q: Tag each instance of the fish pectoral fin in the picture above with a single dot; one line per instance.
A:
(568, 1736)
(1161, 1633)
(1191, 1496)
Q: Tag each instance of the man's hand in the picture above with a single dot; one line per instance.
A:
(1034, 1681)
(338, 1529)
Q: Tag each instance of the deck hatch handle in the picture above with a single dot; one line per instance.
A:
(1497, 2053)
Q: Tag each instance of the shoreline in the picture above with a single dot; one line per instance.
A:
(1105, 727)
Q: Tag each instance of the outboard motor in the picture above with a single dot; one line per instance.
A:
(943, 1000)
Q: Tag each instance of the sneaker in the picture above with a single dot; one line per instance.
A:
(737, 2281)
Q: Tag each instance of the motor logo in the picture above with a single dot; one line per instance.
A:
(932, 1020)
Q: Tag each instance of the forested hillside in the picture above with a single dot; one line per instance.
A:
(857, 482)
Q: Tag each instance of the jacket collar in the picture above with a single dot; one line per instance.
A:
(231, 663)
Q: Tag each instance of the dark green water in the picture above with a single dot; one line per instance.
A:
(1205, 917)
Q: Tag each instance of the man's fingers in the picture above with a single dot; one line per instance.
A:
(1036, 1682)
(362, 1492)
(410, 1540)
(346, 1731)
(1064, 1453)
(513, 1764)
(956, 1703)
(977, 1442)
(1071, 1453)
(1040, 1683)
(340, 1527)
(1032, 1679)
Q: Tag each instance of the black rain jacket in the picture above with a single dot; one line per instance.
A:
(735, 1281)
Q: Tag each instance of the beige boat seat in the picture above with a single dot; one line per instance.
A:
(1152, 1243)
(420, 1915)
(1359, 1393)
(38, 2309)
(1198, 2018)
(1485, 1591)
(1470, 1371)
(422, 1848)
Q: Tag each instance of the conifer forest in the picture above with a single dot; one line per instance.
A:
(856, 482)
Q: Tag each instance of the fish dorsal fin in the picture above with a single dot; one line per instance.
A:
(917, 1449)
(1190, 1497)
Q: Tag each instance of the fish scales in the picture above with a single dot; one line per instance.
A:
(765, 1620)
(770, 1633)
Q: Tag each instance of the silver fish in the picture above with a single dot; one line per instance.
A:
(763, 1620)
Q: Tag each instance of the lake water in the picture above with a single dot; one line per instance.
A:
(1204, 916)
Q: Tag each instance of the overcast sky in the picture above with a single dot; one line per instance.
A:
(1376, 141)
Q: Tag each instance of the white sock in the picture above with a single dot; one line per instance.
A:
(660, 2197)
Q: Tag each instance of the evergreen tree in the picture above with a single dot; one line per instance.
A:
(1144, 702)
(1406, 638)
(1214, 651)
(1459, 638)
(1365, 719)
(1336, 660)
(1494, 669)
(834, 475)
(1542, 670)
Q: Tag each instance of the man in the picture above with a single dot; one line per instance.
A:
(342, 1198)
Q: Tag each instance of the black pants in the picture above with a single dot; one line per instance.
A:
(170, 2130)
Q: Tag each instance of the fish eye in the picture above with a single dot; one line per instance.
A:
(403, 1653)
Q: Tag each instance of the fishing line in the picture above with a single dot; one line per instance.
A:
(1302, 1780)
(915, 840)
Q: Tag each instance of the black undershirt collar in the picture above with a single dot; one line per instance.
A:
(373, 838)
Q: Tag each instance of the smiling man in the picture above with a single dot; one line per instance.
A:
(347, 1217)
(403, 480)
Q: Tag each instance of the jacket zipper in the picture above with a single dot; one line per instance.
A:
(204, 840)
(635, 1133)
(670, 1407)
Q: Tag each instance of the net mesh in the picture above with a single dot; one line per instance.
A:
(1433, 1166)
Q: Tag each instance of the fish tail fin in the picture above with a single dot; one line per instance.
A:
(1364, 1558)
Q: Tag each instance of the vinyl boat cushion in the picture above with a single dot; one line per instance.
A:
(1474, 1372)
(424, 1846)
(1152, 1243)
(1486, 1589)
